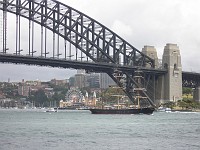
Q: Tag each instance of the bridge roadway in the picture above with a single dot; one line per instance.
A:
(190, 79)
(67, 63)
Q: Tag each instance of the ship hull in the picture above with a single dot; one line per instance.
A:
(123, 111)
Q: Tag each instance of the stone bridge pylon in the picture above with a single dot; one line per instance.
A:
(168, 87)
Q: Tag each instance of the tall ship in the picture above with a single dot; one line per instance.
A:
(143, 104)
(147, 110)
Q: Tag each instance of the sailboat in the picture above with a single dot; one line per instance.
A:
(138, 110)
(139, 95)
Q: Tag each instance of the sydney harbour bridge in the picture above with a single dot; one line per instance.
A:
(58, 35)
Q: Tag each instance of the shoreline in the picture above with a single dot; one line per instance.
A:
(186, 110)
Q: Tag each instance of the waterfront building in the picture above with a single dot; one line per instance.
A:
(80, 80)
(64, 104)
(106, 81)
(58, 82)
(2, 95)
(93, 80)
(24, 90)
(86, 80)
(71, 81)
(32, 83)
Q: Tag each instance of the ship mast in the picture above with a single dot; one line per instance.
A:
(133, 84)
(139, 88)
(118, 98)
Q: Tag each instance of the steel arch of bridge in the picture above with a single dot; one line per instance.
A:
(79, 29)
(95, 40)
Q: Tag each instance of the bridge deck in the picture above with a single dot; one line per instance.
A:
(66, 63)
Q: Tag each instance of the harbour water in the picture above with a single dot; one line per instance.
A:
(81, 130)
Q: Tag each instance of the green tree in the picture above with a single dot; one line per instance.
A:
(182, 104)
(187, 103)
(39, 97)
(59, 93)
(169, 104)
(58, 96)
(187, 91)
(9, 90)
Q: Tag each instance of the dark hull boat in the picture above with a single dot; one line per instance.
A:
(147, 111)
(139, 94)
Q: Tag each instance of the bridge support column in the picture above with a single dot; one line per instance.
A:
(196, 94)
(152, 53)
(173, 79)
(160, 89)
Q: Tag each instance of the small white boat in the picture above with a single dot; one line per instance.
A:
(163, 109)
(51, 110)
(168, 110)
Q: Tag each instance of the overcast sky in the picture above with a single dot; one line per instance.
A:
(140, 22)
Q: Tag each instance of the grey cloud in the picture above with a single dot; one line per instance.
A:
(150, 22)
